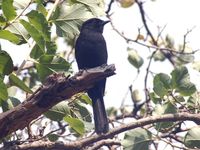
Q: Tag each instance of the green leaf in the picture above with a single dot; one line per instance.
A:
(193, 102)
(6, 63)
(10, 103)
(51, 48)
(184, 59)
(166, 108)
(42, 9)
(40, 23)
(46, 59)
(96, 7)
(68, 19)
(192, 138)
(8, 9)
(53, 137)
(155, 98)
(181, 81)
(14, 80)
(158, 56)
(161, 84)
(83, 111)
(35, 34)
(58, 63)
(85, 99)
(36, 52)
(3, 91)
(2, 21)
(39, 1)
(76, 124)
(134, 58)
(137, 139)
(169, 42)
(43, 71)
(18, 30)
(57, 112)
(7, 35)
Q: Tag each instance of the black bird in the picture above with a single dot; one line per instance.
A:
(90, 52)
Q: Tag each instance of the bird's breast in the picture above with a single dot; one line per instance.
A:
(90, 50)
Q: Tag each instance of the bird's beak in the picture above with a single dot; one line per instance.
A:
(105, 22)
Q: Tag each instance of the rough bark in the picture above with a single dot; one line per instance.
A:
(56, 88)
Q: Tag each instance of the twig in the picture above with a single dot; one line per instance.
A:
(184, 39)
(109, 6)
(108, 142)
(80, 144)
(17, 17)
(147, 45)
(147, 99)
(140, 5)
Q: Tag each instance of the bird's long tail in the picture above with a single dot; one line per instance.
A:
(100, 116)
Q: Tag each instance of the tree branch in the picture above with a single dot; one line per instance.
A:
(56, 88)
(82, 143)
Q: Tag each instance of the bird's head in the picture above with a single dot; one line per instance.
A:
(94, 24)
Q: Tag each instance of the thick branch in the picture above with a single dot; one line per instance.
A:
(56, 88)
(82, 143)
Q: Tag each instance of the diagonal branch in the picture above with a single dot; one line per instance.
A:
(56, 88)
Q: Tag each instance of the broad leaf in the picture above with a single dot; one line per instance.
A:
(134, 58)
(6, 63)
(43, 71)
(45, 59)
(53, 137)
(184, 59)
(57, 112)
(7, 35)
(161, 84)
(36, 52)
(68, 19)
(96, 7)
(155, 98)
(19, 30)
(137, 139)
(14, 80)
(166, 108)
(3, 91)
(181, 81)
(158, 56)
(40, 23)
(83, 112)
(8, 9)
(193, 103)
(42, 9)
(85, 99)
(51, 48)
(58, 63)
(2, 21)
(76, 124)
(192, 138)
(35, 34)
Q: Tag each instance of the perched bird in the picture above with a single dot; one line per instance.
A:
(90, 52)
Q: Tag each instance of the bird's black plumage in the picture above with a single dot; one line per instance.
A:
(90, 52)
